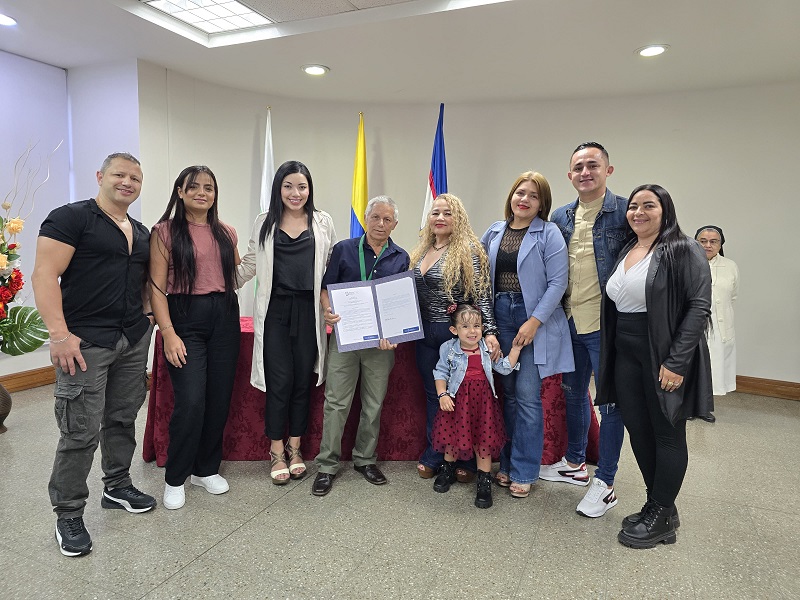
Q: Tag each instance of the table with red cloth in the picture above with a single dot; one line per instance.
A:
(402, 434)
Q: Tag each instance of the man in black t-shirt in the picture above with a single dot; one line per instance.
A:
(100, 323)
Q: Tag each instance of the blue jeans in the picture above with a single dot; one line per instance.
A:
(521, 457)
(436, 334)
(586, 349)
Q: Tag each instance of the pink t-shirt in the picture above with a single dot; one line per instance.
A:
(208, 265)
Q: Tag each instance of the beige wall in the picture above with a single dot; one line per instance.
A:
(724, 156)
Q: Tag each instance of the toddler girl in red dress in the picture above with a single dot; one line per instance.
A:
(470, 420)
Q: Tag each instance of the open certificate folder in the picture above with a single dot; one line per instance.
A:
(372, 310)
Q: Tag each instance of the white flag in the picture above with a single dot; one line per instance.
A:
(268, 173)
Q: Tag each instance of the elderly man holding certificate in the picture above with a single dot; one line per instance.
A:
(372, 256)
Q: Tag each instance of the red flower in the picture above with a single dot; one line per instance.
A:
(6, 295)
(3, 314)
(15, 281)
(12, 246)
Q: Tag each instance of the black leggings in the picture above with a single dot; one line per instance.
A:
(660, 448)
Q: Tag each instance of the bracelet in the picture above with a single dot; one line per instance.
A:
(163, 329)
(440, 396)
(69, 335)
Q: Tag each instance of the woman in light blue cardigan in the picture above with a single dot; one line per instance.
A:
(529, 270)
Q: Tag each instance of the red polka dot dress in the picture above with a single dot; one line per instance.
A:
(476, 424)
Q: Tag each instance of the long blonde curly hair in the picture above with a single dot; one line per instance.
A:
(457, 268)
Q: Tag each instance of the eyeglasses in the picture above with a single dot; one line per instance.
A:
(709, 242)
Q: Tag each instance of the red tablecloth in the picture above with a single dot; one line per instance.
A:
(402, 420)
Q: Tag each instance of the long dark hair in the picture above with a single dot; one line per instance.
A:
(275, 210)
(184, 265)
(676, 245)
(670, 234)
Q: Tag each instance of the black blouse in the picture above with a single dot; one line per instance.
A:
(294, 262)
(505, 271)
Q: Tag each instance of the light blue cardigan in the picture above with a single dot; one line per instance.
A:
(543, 270)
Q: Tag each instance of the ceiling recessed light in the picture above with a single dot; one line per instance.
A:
(315, 69)
(653, 50)
(7, 21)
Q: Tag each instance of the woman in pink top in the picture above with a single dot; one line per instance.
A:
(193, 260)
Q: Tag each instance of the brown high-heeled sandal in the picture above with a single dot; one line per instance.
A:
(297, 470)
(275, 459)
(464, 476)
(425, 471)
(502, 479)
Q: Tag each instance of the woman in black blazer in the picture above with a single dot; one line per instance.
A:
(654, 361)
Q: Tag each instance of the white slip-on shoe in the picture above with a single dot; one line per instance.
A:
(214, 484)
(174, 496)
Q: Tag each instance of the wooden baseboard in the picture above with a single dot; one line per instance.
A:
(29, 379)
(774, 388)
(26, 380)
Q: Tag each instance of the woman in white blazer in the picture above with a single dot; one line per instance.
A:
(288, 251)
(724, 288)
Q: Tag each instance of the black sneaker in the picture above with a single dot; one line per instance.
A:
(72, 537)
(128, 498)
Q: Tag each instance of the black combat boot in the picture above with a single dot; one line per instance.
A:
(483, 499)
(445, 478)
(653, 528)
(636, 517)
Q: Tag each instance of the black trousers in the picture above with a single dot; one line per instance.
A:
(290, 349)
(660, 448)
(210, 330)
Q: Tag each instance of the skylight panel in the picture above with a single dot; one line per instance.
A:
(211, 16)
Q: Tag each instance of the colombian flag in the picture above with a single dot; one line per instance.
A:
(359, 202)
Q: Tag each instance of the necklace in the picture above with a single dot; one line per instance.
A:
(442, 247)
(125, 218)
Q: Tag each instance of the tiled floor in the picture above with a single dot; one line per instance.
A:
(739, 536)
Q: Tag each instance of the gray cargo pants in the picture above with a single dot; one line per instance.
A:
(97, 406)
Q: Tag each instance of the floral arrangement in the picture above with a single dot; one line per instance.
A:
(21, 327)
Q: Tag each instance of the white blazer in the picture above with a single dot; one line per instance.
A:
(259, 262)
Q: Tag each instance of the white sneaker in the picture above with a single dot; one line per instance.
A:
(561, 471)
(174, 496)
(214, 484)
(598, 499)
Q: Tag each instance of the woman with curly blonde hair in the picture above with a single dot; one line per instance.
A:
(450, 267)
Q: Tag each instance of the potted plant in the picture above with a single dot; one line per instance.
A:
(21, 327)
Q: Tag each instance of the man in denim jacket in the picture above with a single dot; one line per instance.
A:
(595, 230)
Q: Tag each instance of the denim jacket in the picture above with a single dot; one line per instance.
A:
(452, 365)
(610, 231)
